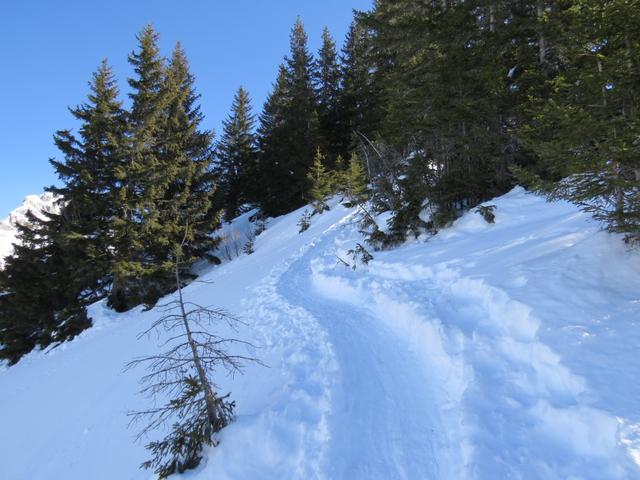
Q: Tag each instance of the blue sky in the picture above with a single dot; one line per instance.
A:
(48, 50)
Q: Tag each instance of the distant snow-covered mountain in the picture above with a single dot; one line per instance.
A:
(38, 204)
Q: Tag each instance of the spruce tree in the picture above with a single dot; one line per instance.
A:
(289, 131)
(355, 182)
(585, 125)
(67, 254)
(187, 159)
(321, 184)
(327, 87)
(272, 143)
(300, 116)
(41, 298)
(89, 181)
(236, 155)
(360, 97)
(144, 181)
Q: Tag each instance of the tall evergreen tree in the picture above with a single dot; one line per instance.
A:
(89, 182)
(236, 152)
(143, 179)
(68, 254)
(360, 99)
(586, 124)
(186, 159)
(321, 183)
(41, 299)
(272, 142)
(449, 141)
(289, 131)
(327, 87)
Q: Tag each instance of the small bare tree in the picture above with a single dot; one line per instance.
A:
(181, 378)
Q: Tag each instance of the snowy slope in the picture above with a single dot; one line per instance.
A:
(490, 351)
(8, 231)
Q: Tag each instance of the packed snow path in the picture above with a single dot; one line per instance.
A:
(488, 351)
(379, 381)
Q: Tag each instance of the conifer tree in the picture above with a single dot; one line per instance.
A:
(63, 261)
(355, 182)
(167, 177)
(585, 125)
(143, 179)
(327, 87)
(300, 116)
(321, 184)
(360, 97)
(272, 142)
(41, 299)
(289, 130)
(186, 157)
(236, 152)
(89, 179)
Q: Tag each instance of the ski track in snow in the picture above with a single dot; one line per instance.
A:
(484, 353)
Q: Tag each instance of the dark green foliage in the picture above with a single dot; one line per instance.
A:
(143, 182)
(585, 124)
(327, 81)
(181, 449)
(130, 180)
(321, 184)
(248, 247)
(67, 254)
(451, 138)
(272, 141)
(187, 159)
(167, 178)
(236, 167)
(288, 132)
(361, 98)
(42, 301)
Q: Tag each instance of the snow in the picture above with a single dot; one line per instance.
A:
(37, 204)
(489, 351)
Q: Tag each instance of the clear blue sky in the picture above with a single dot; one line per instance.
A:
(48, 50)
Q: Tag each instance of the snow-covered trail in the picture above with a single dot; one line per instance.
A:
(383, 423)
(488, 351)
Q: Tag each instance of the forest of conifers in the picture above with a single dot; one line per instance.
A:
(428, 106)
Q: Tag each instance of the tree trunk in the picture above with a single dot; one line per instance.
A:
(209, 396)
(542, 42)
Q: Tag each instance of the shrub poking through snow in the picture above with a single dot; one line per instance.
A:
(354, 183)
(248, 247)
(487, 213)
(321, 184)
(305, 221)
(181, 378)
(359, 254)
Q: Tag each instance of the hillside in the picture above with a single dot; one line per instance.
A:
(489, 351)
